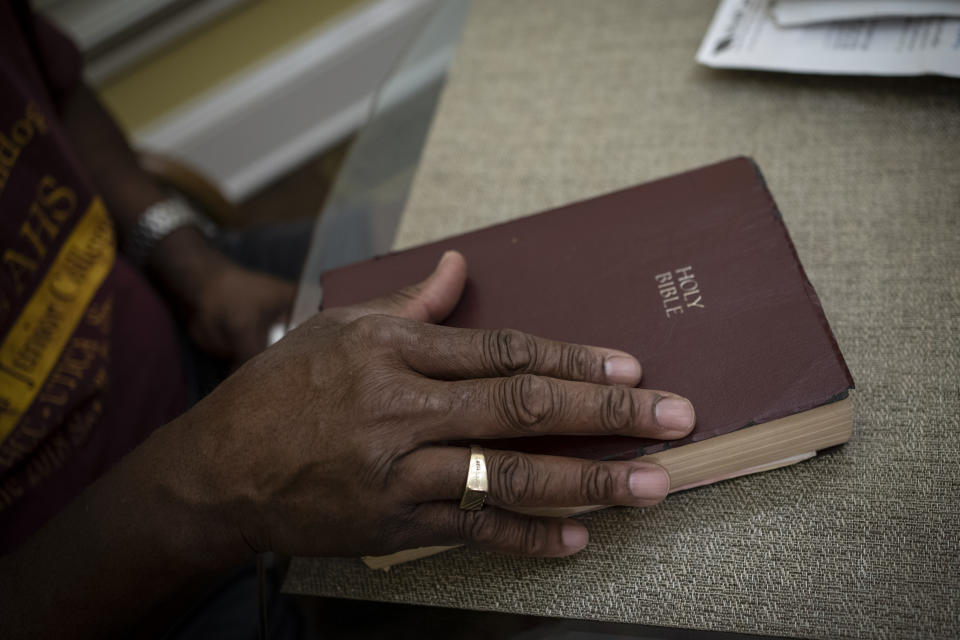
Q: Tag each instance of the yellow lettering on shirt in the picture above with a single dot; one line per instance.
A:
(36, 340)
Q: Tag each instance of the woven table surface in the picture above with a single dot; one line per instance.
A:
(555, 101)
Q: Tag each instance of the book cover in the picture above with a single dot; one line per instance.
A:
(694, 274)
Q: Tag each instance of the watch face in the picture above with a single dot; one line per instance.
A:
(157, 222)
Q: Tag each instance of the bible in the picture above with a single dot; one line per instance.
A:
(696, 276)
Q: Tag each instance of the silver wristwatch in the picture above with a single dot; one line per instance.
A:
(160, 220)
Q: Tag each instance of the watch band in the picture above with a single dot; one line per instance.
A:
(157, 222)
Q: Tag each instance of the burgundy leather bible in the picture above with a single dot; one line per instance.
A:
(694, 274)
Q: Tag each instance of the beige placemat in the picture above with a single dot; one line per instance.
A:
(555, 101)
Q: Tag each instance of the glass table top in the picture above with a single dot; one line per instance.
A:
(361, 214)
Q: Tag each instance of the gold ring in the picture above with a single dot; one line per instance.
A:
(475, 493)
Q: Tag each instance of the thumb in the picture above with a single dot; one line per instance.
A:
(428, 301)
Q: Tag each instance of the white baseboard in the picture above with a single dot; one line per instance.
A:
(251, 129)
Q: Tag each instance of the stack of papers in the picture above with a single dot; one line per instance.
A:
(874, 37)
(793, 13)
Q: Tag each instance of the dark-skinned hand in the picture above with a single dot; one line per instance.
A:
(331, 441)
(233, 309)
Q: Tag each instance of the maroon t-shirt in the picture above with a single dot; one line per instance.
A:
(89, 358)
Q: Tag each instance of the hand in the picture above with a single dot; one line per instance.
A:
(326, 443)
(233, 309)
(228, 309)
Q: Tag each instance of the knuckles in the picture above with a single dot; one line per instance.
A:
(508, 351)
(372, 330)
(618, 410)
(513, 479)
(527, 402)
(598, 485)
(534, 538)
(489, 529)
(395, 408)
(372, 385)
(474, 526)
(577, 363)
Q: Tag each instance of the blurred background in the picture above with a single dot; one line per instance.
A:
(261, 96)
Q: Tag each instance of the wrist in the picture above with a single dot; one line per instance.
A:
(183, 263)
(158, 220)
(201, 523)
(146, 531)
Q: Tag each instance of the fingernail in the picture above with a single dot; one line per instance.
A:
(622, 370)
(447, 255)
(436, 267)
(675, 415)
(650, 482)
(574, 536)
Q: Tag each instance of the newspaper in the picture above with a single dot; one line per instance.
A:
(743, 35)
(791, 13)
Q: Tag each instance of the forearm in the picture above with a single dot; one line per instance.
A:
(325, 444)
(127, 190)
(139, 535)
(108, 159)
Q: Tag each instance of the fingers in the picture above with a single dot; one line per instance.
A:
(498, 530)
(529, 405)
(283, 293)
(435, 478)
(431, 300)
(480, 353)
(270, 303)
(525, 480)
